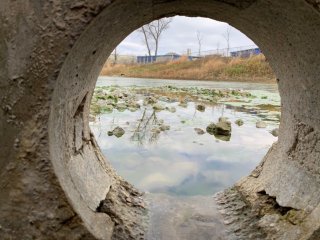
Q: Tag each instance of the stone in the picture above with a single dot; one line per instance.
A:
(199, 131)
(201, 107)
(211, 128)
(149, 100)
(171, 109)
(164, 127)
(275, 132)
(118, 132)
(156, 130)
(261, 124)
(121, 107)
(239, 122)
(107, 108)
(223, 128)
(132, 109)
(133, 105)
(158, 107)
(224, 138)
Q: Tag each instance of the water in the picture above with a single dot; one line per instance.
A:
(179, 161)
(145, 82)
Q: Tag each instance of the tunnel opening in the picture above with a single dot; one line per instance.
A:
(55, 182)
(132, 122)
(156, 132)
(77, 79)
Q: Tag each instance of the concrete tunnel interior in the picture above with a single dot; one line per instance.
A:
(55, 181)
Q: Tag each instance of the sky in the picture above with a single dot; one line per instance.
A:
(182, 34)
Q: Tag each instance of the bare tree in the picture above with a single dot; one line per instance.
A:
(152, 33)
(227, 38)
(115, 56)
(199, 38)
(146, 39)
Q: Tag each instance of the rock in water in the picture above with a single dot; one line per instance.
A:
(158, 107)
(211, 128)
(133, 104)
(155, 130)
(201, 107)
(239, 122)
(275, 132)
(118, 132)
(199, 131)
(107, 108)
(222, 138)
(223, 128)
(261, 124)
(171, 109)
(121, 107)
(149, 100)
(164, 127)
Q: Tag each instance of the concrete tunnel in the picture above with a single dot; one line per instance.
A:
(55, 182)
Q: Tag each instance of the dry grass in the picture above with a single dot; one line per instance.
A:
(253, 69)
(179, 61)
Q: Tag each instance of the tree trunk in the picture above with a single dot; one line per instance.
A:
(146, 40)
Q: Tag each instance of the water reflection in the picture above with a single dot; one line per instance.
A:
(148, 129)
(178, 160)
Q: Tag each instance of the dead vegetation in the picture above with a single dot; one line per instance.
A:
(252, 69)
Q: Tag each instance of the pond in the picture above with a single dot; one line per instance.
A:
(165, 147)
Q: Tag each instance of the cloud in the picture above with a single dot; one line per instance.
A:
(182, 34)
(168, 174)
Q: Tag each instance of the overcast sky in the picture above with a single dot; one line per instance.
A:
(182, 34)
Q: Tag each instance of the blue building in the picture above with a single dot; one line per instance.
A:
(162, 58)
(146, 59)
(245, 53)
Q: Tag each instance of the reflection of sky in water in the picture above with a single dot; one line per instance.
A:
(182, 162)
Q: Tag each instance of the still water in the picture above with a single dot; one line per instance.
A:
(179, 161)
(151, 82)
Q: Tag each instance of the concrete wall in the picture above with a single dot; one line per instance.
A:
(55, 183)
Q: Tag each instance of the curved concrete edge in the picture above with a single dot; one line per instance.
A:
(52, 55)
(283, 199)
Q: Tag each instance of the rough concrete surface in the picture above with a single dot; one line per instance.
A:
(55, 183)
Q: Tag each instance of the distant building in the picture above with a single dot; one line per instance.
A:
(162, 58)
(245, 53)
(146, 59)
(121, 59)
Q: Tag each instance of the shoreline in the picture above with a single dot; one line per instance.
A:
(242, 80)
